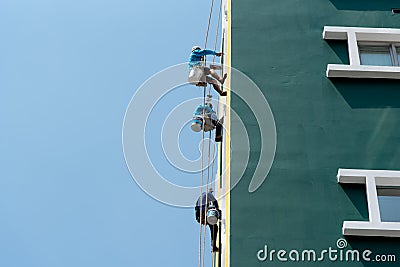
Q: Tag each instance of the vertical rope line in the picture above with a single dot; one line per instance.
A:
(218, 23)
(209, 23)
(200, 216)
(217, 113)
(207, 181)
(209, 159)
(208, 29)
(202, 247)
(213, 157)
(217, 34)
(215, 47)
(202, 155)
(207, 188)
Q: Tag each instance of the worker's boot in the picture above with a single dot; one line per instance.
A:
(215, 249)
(223, 78)
(218, 132)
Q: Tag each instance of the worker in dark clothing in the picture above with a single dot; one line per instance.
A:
(208, 201)
(195, 67)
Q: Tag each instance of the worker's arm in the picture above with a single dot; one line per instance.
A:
(216, 204)
(208, 110)
(197, 214)
(206, 52)
(198, 111)
(213, 200)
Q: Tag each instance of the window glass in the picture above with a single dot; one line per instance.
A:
(398, 54)
(375, 55)
(389, 204)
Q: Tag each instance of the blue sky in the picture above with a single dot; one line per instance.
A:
(68, 70)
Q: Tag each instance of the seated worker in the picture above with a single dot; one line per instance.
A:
(210, 121)
(211, 203)
(195, 63)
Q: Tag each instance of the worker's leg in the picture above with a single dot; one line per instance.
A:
(216, 76)
(214, 234)
(214, 83)
(218, 132)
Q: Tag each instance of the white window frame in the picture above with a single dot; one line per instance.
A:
(354, 36)
(372, 179)
(392, 49)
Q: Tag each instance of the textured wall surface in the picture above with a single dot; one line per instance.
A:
(322, 125)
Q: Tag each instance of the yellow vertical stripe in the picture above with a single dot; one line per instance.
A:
(226, 171)
(227, 136)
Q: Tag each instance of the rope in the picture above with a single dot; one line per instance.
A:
(202, 248)
(216, 36)
(209, 23)
(209, 159)
(208, 172)
(214, 146)
(217, 113)
(213, 155)
(207, 188)
(201, 259)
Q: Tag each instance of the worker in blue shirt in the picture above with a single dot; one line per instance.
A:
(204, 114)
(208, 201)
(197, 71)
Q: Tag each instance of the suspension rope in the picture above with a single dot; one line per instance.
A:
(201, 248)
(217, 112)
(207, 188)
(209, 23)
(209, 92)
(216, 35)
(218, 23)
(204, 219)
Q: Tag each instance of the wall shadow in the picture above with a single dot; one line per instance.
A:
(380, 246)
(357, 195)
(369, 93)
(341, 51)
(370, 5)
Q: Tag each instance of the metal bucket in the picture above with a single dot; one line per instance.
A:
(212, 216)
(197, 125)
(196, 75)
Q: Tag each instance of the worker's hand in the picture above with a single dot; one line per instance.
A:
(219, 54)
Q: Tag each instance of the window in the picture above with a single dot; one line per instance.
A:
(389, 203)
(376, 56)
(395, 10)
(379, 55)
(373, 52)
(398, 54)
(383, 197)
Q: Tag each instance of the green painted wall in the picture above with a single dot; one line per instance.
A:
(321, 125)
